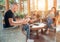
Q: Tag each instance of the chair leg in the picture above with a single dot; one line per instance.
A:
(41, 31)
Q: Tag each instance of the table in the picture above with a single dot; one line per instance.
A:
(36, 27)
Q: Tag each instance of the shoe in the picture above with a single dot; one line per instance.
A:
(30, 40)
(47, 32)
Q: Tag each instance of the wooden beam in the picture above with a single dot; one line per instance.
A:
(7, 4)
(28, 2)
(36, 4)
(20, 5)
(46, 6)
(55, 3)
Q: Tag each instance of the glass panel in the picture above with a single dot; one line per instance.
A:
(41, 5)
(2, 7)
(50, 4)
(58, 4)
(25, 7)
(31, 4)
(2, 4)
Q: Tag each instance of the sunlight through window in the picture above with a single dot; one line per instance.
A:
(58, 4)
(50, 4)
(41, 5)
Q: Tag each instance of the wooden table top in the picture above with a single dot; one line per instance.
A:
(37, 27)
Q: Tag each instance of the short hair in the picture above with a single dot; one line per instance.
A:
(13, 4)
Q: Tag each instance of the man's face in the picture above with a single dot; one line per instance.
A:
(15, 8)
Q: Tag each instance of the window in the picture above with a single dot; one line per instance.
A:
(50, 4)
(25, 7)
(58, 4)
(38, 4)
(41, 5)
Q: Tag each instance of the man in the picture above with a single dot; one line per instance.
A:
(9, 17)
(10, 20)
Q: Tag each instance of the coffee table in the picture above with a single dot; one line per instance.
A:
(38, 26)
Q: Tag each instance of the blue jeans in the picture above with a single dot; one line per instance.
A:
(49, 22)
(26, 27)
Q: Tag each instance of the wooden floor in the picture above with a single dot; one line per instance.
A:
(57, 36)
(51, 37)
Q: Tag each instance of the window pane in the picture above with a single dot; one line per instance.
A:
(25, 7)
(2, 4)
(41, 5)
(58, 4)
(50, 4)
(31, 5)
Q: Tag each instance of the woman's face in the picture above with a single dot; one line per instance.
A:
(53, 9)
(51, 12)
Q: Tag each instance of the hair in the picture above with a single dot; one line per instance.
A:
(38, 15)
(54, 9)
(13, 4)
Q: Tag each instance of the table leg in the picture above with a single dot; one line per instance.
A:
(42, 31)
(37, 34)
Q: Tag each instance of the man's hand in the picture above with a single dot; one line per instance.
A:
(24, 22)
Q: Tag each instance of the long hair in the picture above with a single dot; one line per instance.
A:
(54, 9)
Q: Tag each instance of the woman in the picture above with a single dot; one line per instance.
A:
(54, 10)
(50, 22)
(51, 18)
